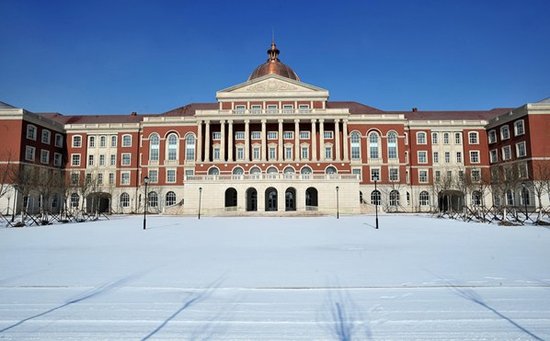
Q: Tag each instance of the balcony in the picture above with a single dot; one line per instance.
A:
(273, 176)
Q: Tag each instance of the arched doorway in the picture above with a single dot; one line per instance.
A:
(230, 198)
(271, 199)
(311, 199)
(251, 199)
(290, 199)
(450, 200)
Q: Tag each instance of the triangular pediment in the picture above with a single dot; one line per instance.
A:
(272, 86)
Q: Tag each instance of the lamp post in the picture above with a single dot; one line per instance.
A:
(376, 201)
(146, 182)
(337, 203)
(14, 205)
(200, 199)
(524, 195)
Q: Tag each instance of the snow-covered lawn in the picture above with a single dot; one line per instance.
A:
(275, 279)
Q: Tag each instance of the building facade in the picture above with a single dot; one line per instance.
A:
(276, 145)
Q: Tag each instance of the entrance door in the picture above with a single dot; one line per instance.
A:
(290, 199)
(251, 199)
(271, 199)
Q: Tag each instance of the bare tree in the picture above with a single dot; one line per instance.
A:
(541, 184)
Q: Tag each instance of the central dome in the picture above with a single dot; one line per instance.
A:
(273, 66)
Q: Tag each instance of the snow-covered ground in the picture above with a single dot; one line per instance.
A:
(275, 279)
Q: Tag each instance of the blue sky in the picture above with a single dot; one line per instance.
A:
(119, 56)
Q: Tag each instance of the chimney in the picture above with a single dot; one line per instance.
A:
(133, 113)
(414, 109)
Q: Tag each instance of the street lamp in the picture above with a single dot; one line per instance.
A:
(14, 204)
(337, 203)
(200, 199)
(146, 182)
(377, 198)
(524, 195)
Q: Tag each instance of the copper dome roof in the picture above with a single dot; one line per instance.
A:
(274, 66)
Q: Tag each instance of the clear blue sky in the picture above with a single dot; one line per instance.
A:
(119, 56)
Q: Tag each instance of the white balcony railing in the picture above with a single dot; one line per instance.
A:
(271, 177)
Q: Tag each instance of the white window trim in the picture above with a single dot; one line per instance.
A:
(59, 145)
(476, 137)
(516, 130)
(73, 139)
(33, 138)
(79, 159)
(427, 176)
(122, 177)
(30, 148)
(524, 149)
(49, 134)
(130, 144)
(418, 133)
(418, 157)
(493, 133)
(478, 156)
(122, 163)
(379, 174)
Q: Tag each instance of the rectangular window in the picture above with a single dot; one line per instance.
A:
(458, 138)
(100, 178)
(303, 108)
(256, 135)
(91, 142)
(77, 141)
(57, 159)
(153, 176)
(422, 157)
(506, 153)
(476, 175)
(188, 173)
(111, 178)
(240, 109)
(493, 156)
(125, 178)
(304, 135)
(519, 128)
(75, 160)
(423, 176)
(75, 178)
(44, 156)
(59, 140)
(240, 153)
(328, 134)
(447, 157)
(102, 142)
(473, 137)
(88, 178)
(375, 174)
(113, 140)
(90, 160)
(113, 160)
(272, 153)
(256, 109)
(521, 151)
(305, 153)
(126, 159)
(216, 152)
(504, 132)
(287, 135)
(288, 109)
(46, 135)
(357, 172)
(239, 135)
(394, 174)
(127, 140)
(446, 138)
(421, 138)
(31, 132)
(474, 156)
(434, 138)
(492, 136)
(216, 135)
(288, 153)
(328, 153)
(170, 175)
(256, 153)
(102, 160)
(437, 175)
(271, 108)
(271, 135)
(523, 170)
(459, 157)
(436, 157)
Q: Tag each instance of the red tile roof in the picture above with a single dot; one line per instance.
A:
(189, 109)
(454, 115)
(87, 119)
(354, 107)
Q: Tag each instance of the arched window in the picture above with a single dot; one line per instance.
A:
(190, 147)
(306, 170)
(272, 170)
(355, 141)
(125, 200)
(214, 171)
(172, 145)
(476, 198)
(330, 170)
(289, 172)
(170, 198)
(424, 198)
(255, 170)
(311, 198)
(154, 143)
(392, 145)
(238, 171)
(75, 199)
(394, 198)
(375, 197)
(374, 145)
(153, 199)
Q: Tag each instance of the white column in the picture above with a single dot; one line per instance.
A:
(297, 140)
(264, 141)
(230, 141)
(280, 146)
(207, 142)
(222, 140)
(337, 138)
(246, 140)
(199, 142)
(314, 141)
(346, 139)
(321, 138)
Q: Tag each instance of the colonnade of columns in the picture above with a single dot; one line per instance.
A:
(316, 150)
